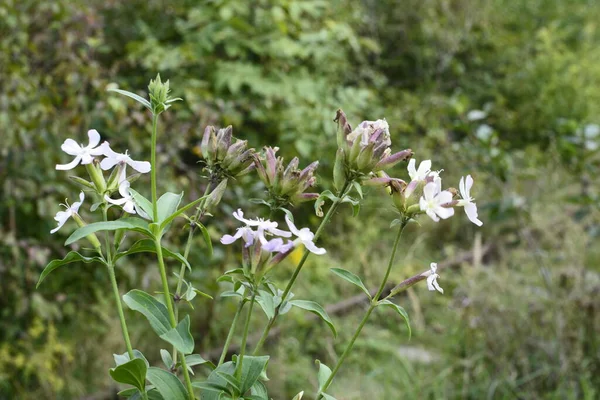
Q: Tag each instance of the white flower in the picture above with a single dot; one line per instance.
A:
(250, 235)
(83, 154)
(62, 216)
(433, 199)
(421, 173)
(432, 283)
(113, 158)
(305, 236)
(467, 201)
(126, 202)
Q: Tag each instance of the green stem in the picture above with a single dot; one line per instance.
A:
(169, 304)
(186, 253)
(115, 288)
(231, 332)
(238, 370)
(290, 284)
(374, 304)
(154, 167)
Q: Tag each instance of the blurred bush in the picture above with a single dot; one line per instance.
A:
(507, 89)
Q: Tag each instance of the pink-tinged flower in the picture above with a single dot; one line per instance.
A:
(304, 236)
(465, 186)
(113, 158)
(83, 154)
(432, 283)
(62, 216)
(433, 201)
(126, 201)
(263, 227)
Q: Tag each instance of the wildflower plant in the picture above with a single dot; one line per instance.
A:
(116, 208)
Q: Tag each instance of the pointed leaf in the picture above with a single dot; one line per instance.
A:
(167, 384)
(95, 227)
(177, 213)
(167, 205)
(267, 303)
(327, 397)
(71, 257)
(123, 358)
(196, 359)
(206, 237)
(400, 311)
(230, 380)
(252, 368)
(259, 391)
(350, 277)
(133, 96)
(180, 337)
(144, 203)
(323, 374)
(155, 311)
(316, 309)
(298, 396)
(166, 358)
(132, 373)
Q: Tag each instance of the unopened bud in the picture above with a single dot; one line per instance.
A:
(392, 160)
(96, 175)
(214, 198)
(339, 170)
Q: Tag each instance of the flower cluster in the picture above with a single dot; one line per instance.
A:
(223, 156)
(285, 185)
(257, 230)
(86, 155)
(365, 149)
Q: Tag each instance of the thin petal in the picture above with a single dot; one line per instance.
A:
(86, 158)
(228, 239)
(310, 246)
(471, 211)
(412, 171)
(424, 168)
(118, 202)
(461, 187)
(437, 286)
(279, 232)
(468, 185)
(140, 166)
(124, 189)
(291, 225)
(71, 147)
(432, 215)
(430, 280)
(129, 206)
(273, 245)
(71, 165)
(433, 267)
(108, 163)
(429, 191)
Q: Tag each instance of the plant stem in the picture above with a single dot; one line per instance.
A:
(154, 167)
(115, 288)
(238, 370)
(186, 253)
(169, 304)
(374, 304)
(290, 284)
(238, 311)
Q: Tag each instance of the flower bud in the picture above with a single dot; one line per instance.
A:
(285, 185)
(392, 160)
(224, 156)
(343, 130)
(214, 198)
(339, 170)
(96, 176)
(160, 100)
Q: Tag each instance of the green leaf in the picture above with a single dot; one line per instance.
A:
(358, 189)
(143, 203)
(327, 397)
(350, 277)
(395, 222)
(355, 204)
(400, 311)
(95, 227)
(323, 374)
(148, 246)
(166, 358)
(139, 225)
(316, 309)
(231, 380)
(215, 385)
(71, 257)
(123, 358)
(267, 303)
(327, 194)
(132, 373)
(167, 384)
(180, 337)
(133, 96)
(183, 209)
(259, 391)
(155, 311)
(206, 237)
(196, 359)
(298, 396)
(167, 205)
(252, 367)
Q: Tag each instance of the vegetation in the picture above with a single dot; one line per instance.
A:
(509, 90)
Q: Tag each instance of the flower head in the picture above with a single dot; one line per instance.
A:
(126, 201)
(304, 236)
(113, 158)
(467, 202)
(434, 199)
(83, 154)
(224, 154)
(256, 229)
(62, 216)
(432, 283)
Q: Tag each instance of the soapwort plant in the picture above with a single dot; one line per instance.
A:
(364, 157)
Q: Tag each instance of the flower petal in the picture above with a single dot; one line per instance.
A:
(94, 137)
(71, 165)
(71, 147)
(444, 212)
(108, 163)
(430, 190)
(432, 215)
(310, 246)
(471, 211)
(140, 166)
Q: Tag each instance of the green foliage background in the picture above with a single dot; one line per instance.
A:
(521, 321)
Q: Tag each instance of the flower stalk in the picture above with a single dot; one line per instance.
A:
(238, 370)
